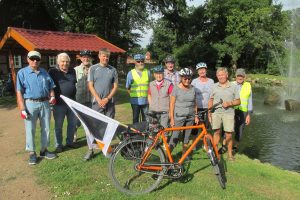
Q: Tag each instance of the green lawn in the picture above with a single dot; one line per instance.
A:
(69, 177)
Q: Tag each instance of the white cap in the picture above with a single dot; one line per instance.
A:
(33, 54)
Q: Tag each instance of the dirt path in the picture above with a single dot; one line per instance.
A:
(17, 180)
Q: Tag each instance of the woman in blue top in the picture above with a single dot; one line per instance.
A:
(203, 86)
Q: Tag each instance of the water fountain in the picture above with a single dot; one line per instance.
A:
(292, 91)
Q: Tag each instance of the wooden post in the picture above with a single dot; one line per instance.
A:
(12, 70)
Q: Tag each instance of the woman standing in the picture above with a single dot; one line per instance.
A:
(203, 86)
(65, 81)
(183, 108)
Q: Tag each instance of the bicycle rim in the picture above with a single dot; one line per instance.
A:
(216, 164)
(122, 168)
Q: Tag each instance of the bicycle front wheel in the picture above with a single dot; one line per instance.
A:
(217, 164)
(123, 167)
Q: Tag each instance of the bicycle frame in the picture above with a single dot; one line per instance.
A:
(161, 134)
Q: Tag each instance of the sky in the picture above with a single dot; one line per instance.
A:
(287, 5)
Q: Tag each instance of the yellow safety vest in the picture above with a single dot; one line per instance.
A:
(139, 87)
(244, 96)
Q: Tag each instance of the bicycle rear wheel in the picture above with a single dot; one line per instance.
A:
(217, 164)
(122, 167)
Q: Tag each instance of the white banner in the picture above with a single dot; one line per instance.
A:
(96, 125)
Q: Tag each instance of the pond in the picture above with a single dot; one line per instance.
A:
(273, 135)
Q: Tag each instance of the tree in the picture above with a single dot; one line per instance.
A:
(25, 14)
(235, 33)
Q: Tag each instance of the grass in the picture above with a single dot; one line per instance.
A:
(69, 177)
(7, 101)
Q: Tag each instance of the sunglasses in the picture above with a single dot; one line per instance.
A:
(187, 78)
(140, 61)
(35, 59)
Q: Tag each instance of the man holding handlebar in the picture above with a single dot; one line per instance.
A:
(224, 114)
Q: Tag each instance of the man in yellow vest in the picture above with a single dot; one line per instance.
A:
(137, 84)
(243, 111)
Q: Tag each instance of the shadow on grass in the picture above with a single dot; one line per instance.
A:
(187, 177)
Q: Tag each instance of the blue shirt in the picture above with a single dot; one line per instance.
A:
(136, 100)
(34, 85)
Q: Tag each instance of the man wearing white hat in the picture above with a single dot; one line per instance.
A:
(35, 94)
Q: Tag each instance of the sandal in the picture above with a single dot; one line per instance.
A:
(230, 158)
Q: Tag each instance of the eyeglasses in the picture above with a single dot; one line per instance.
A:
(140, 61)
(35, 59)
(187, 78)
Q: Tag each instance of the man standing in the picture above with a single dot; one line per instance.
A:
(223, 114)
(64, 78)
(170, 73)
(137, 84)
(103, 84)
(34, 93)
(243, 111)
(83, 95)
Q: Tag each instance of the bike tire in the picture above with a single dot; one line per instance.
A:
(217, 164)
(123, 172)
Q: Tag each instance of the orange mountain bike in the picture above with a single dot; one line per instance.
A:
(139, 163)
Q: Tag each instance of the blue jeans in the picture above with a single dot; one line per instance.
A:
(138, 112)
(59, 113)
(41, 111)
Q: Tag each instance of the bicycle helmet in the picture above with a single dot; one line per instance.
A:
(85, 53)
(201, 65)
(185, 72)
(158, 69)
(139, 57)
(170, 59)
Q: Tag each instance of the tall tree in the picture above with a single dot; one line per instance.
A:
(25, 13)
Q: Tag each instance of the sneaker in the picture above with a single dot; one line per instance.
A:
(48, 155)
(89, 155)
(32, 159)
(58, 150)
(72, 146)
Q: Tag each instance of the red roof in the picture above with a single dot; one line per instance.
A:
(58, 41)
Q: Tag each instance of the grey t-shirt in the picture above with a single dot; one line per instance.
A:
(203, 91)
(228, 93)
(185, 101)
(103, 79)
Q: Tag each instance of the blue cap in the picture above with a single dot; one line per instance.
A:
(139, 57)
(158, 69)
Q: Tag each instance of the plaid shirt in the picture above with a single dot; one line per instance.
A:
(173, 77)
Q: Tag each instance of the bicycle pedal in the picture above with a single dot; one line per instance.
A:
(222, 150)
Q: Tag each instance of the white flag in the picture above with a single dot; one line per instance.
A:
(96, 125)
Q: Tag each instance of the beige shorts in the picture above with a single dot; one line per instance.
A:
(227, 119)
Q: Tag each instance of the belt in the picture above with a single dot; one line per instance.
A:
(38, 99)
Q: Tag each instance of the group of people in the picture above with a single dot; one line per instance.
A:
(38, 92)
(179, 98)
(172, 92)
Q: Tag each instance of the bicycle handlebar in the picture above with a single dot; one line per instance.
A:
(155, 113)
(211, 108)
